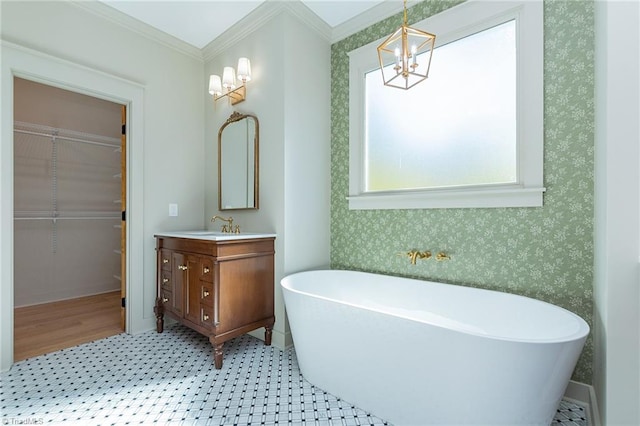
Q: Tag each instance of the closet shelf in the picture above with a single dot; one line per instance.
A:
(73, 215)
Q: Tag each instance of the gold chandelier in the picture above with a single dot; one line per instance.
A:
(405, 56)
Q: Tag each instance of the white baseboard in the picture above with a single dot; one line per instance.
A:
(585, 395)
(95, 291)
(279, 339)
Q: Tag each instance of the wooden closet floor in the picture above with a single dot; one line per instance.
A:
(49, 327)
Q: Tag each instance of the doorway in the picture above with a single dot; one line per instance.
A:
(69, 218)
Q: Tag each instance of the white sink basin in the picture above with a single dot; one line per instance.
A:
(206, 233)
(214, 235)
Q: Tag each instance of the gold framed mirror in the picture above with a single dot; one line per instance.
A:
(238, 140)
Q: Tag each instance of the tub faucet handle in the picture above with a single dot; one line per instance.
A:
(442, 256)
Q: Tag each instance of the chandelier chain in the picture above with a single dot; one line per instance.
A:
(405, 13)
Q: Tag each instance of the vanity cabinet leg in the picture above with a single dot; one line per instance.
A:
(159, 311)
(268, 331)
(217, 354)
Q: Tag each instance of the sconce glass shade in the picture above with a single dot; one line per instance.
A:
(229, 78)
(244, 69)
(215, 85)
(226, 86)
(405, 56)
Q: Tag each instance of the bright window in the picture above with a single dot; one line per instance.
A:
(468, 136)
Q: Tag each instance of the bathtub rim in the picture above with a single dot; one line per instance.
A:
(583, 327)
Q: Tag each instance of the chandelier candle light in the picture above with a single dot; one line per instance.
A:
(402, 49)
(226, 86)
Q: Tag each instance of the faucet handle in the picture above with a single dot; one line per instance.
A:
(237, 229)
(442, 256)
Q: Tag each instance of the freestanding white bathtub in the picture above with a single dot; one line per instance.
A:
(422, 353)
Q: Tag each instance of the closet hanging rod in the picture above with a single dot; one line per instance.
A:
(66, 138)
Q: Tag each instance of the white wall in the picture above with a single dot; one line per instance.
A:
(617, 222)
(307, 150)
(291, 99)
(163, 89)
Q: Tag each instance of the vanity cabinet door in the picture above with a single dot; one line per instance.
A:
(192, 289)
(179, 267)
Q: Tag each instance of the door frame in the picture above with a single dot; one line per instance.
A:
(18, 61)
(123, 222)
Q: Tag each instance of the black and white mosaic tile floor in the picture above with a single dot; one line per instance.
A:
(168, 379)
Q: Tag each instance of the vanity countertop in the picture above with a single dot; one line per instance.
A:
(214, 235)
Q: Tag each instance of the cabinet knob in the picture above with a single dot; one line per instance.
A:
(165, 300)
(182, 267)
(165, 260)
(165, 280)
(205, 317)
(205, 293)
(205, 270)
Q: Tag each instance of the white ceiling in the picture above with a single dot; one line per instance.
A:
(198, 22)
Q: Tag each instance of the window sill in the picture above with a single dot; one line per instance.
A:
(442, 199)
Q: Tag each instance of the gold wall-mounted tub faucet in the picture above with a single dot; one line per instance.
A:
(414, 255)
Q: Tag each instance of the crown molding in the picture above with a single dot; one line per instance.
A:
(367, 18)
(241, 29)
(259, 17)
(307, 16)
(115, 16)
(247, 25)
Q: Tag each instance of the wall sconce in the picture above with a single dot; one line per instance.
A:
(226, 86)
(401, 49)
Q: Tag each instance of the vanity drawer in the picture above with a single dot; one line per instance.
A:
(170, 303)
(167, 298)
(206, 271)
(165, 280)
(165, 260)
(206, 316)
(206, 293)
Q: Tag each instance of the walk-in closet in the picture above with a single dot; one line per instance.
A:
(68, 220)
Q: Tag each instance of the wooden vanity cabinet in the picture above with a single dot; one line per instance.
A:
(221, 289)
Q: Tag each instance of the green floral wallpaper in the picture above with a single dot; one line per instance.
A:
(544, 253)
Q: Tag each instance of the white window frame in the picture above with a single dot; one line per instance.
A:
(455, 23)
